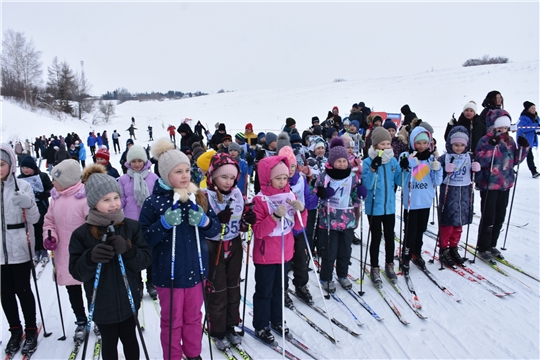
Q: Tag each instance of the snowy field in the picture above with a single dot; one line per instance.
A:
(480, 326)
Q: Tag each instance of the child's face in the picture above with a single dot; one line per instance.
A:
(341, 164)
(383, 145)
(27, 171)
(377, 123)
(101, 161)
(109, 203)
(392, 132)
(225, 182)
(346, 127)
(272, 145)
(292, 170)
(4, 170)
(352, 128)
(137, 164)
(350, 149)
(180, 176)
(280, 181)
(458, 148)
(469, 113)
(320, 151)
(57, 186)
(226, 143)
(234, 153)
(421, 145)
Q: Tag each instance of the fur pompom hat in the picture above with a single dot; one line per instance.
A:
(98, 184)
(168, 158)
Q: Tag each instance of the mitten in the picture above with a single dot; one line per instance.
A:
(197, 217)
(494, 140)
(361, 190)
(280, 211)
(475, 166)
(24, 201)
(325, 192)
(250, 217)
(172, 217)
(523, 142)
(297, 205)
(404, 163)
(118, 243)
(224, 216)
(435, 165)
(449, 168)
(50, 243)
(413, 162)
(102, 253)
(376, 162)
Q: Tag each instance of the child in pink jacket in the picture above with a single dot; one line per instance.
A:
(66, 213)
(276, 208)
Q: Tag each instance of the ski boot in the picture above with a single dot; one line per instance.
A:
(30, 343)
(496, 253)
(222, 344)
(375, 275)
(455, 255)
(345, 283)
(14, 343)
(485, 255)
(265, 334)
(389, 270)
(419, 261)
(233, 337)
(288, 301)
(303, 293)
(446, 258)
(80, 331)
(328, 286)
(280, 328)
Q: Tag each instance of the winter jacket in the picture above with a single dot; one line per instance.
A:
(50, 154)
(475, 128)
(82, 152)
(505, 156)
(14, 248)
(61, 155)
(70, 201)
(300, 188)
(267, 248)
(424, 179)
(42, 186)
(187, 272)
(91, 141)
(129, 202)
(112, 303)
(189, 138)
(456, 200)
(112, 171)
(399, 147)
(388, 175)
(528, 119)
(242, 164)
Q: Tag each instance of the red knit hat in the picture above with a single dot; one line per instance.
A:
(249, 126)
(104, 154)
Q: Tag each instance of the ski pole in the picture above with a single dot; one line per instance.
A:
(471, 209)
(176, 197)
(63, 337)
(512, 201)
(282, 287)
(432, 222)
(111, 230)
(361, 237)
(401, 211)
(93, 302)
(250, 234)
(33, 268)
(480, 226)
(201, 268)
(318, 282)
(406, 246)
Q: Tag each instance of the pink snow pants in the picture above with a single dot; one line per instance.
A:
(186, 321)
(449, 236)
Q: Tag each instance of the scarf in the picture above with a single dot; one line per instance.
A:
(140, 187)
(98, 218)
(338, 174)
(387, 154)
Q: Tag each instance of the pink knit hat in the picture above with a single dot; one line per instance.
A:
(287, 151)
(279, 169)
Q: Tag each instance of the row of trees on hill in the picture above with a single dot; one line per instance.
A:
(123, 94)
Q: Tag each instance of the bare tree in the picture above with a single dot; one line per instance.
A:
(81, 93)
(21, 67)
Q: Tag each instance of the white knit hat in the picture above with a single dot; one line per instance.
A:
(470, 105)
(136, 152)
(67, 173)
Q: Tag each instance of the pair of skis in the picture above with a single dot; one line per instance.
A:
(78, 344)
(28, 356)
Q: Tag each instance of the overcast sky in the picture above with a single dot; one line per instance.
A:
(251, 45)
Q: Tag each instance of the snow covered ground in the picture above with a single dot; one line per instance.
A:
(480, 326)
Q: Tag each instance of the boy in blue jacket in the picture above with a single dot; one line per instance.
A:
(422, 174)
(380, 174)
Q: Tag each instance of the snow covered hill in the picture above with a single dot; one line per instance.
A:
(481, 325)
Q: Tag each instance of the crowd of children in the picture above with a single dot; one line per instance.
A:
(184, 222)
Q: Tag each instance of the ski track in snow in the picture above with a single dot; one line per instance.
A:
(481, 326)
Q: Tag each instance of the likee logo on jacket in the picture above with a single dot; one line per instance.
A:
(420, 171)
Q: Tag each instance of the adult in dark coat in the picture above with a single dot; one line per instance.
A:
(409, 115)
(61, 155)
(188, 136)
(363, 121)
(470, 121)
(200, 130)
(493, 100)
(217, 138)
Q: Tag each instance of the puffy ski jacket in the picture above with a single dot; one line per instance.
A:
(70, 201)
(15, 248)
(388, 175)
(129, 202)
(528, 119)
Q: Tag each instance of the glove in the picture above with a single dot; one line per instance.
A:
(197, 217)
(325, 192)
(494, 140)
(513, 127)
(523, 142)
(280, 211)
(413, 162)
(173, 217)
(377, 161)
(306, 171)
(50, 243)
(361, 190)
(224, 216)
(102, 253)
(475, 166)
(404, 163)
(118, 243)
(435, 165)
(24, 201)
(250, 217)
(297, 205)
(449, 168)
(250, 160)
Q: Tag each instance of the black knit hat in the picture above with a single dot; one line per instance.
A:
(29, 162)
(527, 105)
(290, 122)
(315, 119)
